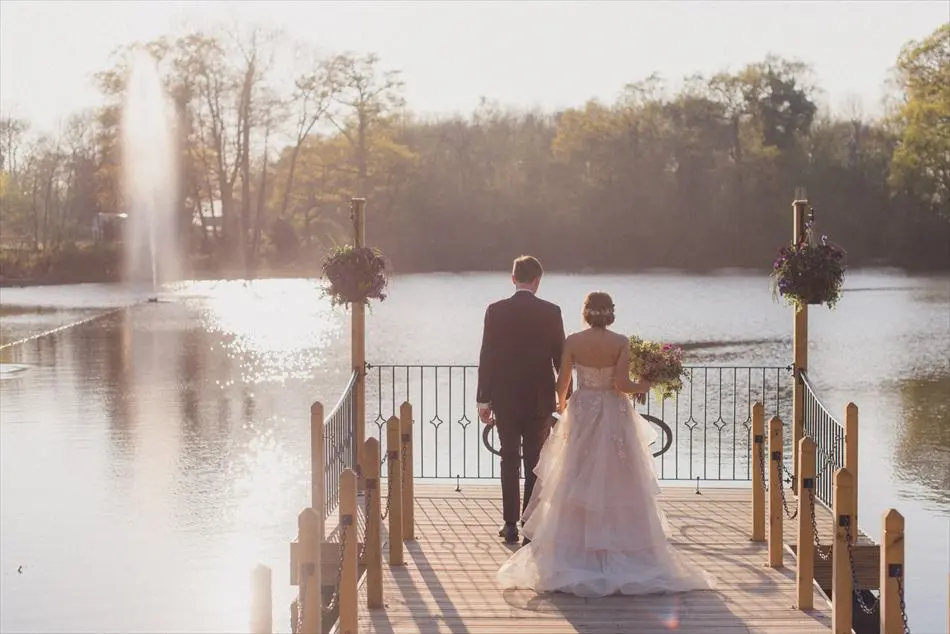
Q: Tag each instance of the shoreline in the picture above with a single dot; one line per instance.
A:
(304, 274)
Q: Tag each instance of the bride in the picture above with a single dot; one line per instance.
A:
(593, 522)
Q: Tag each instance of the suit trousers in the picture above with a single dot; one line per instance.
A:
(524, 436)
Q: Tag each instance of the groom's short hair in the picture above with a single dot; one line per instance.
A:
(526, 268)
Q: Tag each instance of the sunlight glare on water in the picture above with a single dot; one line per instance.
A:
(273, 326)
(264, 483)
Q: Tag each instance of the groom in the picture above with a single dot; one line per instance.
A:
(521, 351)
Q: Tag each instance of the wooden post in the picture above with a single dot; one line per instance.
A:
(851, 459)
(349, 575)
(842, 586)
(408, 496)
(317, 466)
(309, 596)
(262, 608)
(892, 572)
(374, 529)
(799, 338)
(805, 570)
(776, 514)
(394, 485)
(358, 339)
(757, 448)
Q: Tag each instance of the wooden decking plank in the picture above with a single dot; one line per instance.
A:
(448, 583)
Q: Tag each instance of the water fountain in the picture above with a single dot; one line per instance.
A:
(149, 178)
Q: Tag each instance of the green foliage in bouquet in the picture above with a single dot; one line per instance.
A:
(660, 364)
(355, 275)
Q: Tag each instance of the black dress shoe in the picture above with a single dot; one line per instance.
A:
(525, 541)
(509, 533)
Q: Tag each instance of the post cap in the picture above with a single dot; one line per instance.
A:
(307, 517)
(893, 520)
(843, 478)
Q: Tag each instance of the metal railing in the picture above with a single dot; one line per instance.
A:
(710, 418)
(339, 444)
(823, 428)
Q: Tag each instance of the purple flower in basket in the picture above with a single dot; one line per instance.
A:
(808, 273)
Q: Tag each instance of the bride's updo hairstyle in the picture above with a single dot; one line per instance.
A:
(598, 309)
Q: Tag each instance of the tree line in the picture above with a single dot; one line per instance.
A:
(697, 177)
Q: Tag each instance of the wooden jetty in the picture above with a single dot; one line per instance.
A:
(770, 511)
(420, 557)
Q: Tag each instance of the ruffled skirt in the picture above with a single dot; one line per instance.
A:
(593, 520)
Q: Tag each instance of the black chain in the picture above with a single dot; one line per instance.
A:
(789, 476)
(779, 465)
(824, 553)
(900, 595)
(367, 505)
(334, 600)
(389, 495)
(856, 587)
(765, 483)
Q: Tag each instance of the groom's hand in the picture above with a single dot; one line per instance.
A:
(484, 413)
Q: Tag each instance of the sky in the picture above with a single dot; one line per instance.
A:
(525, 53)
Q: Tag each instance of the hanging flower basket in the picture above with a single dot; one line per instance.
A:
(355, 275)
(810, 272)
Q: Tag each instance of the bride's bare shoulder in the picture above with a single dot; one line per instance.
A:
(619, 336)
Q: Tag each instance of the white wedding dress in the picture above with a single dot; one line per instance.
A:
(593, 520)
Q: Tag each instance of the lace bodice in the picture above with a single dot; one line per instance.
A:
(595, 378)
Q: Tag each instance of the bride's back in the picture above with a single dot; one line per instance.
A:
(596, 347)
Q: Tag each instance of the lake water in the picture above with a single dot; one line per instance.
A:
(150, 457)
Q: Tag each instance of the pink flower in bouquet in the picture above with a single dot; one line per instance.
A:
(660, 364)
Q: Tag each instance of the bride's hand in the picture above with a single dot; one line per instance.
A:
(642, 396)
(561, 406)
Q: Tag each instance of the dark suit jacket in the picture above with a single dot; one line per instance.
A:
(521, 352)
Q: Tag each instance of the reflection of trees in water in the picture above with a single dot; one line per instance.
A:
(101, 352)
(190, 365)
(213, 434)
(116, 343)
(923, 440)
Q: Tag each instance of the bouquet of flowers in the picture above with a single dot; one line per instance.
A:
(355, 274)
(809, 272)
(660, 364)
